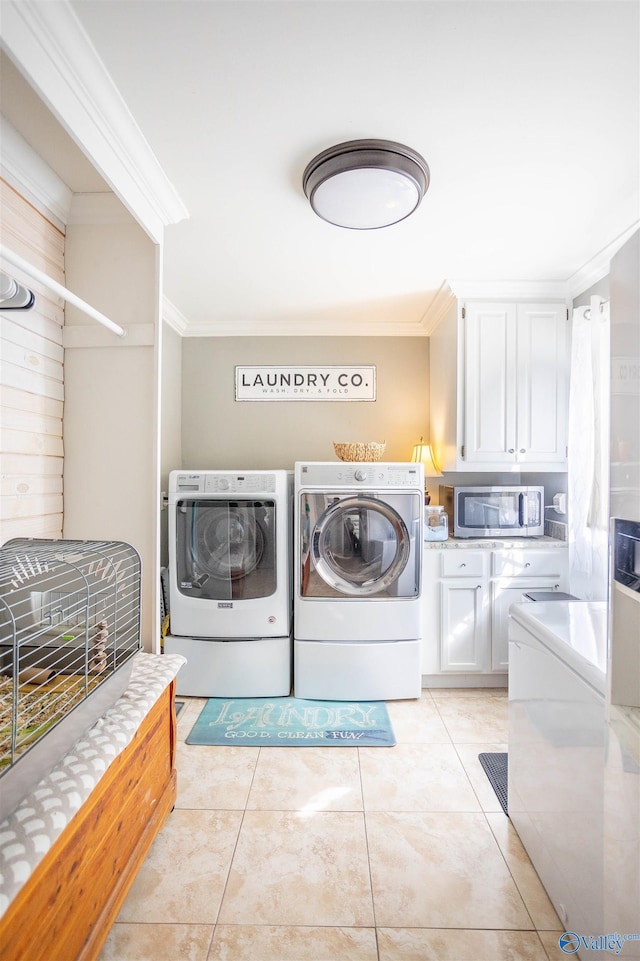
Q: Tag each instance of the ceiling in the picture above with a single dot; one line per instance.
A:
(526, 112)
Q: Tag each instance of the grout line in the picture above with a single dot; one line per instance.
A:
(366, 841)
(211, 939)
(466, 774)
(511, 874)
(235, 846)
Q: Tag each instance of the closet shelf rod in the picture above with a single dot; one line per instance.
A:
(17, 261)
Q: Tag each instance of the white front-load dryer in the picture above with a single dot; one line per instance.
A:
(229, 581)
(357, 580)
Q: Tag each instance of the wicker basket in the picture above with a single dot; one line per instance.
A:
(362, 452)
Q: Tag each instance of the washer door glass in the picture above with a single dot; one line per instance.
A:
(226, 549)
(360, 545)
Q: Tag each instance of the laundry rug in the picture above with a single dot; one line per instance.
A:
(293, 722)
(496, 767)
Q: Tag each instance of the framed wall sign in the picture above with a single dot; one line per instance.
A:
(306, 383)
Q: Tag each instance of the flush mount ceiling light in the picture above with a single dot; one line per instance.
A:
(366, 184)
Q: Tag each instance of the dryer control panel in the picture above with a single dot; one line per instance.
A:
(369, 475)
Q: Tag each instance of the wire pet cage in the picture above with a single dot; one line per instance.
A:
(69, 627)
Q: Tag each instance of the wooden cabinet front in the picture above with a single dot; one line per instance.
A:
(66, 908)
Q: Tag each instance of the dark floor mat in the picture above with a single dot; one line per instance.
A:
(496, 768)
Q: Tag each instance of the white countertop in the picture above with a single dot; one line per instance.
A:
(495, 543)
(576, 631)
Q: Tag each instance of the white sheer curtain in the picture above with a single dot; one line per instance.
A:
(589, 451)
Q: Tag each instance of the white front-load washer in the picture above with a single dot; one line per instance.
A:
(230, 582)
(357, 580)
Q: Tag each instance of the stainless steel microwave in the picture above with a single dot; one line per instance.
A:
(494, 511)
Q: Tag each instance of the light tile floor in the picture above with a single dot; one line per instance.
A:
(342, 854)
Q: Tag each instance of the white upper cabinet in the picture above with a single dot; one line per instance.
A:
(499, 386)
(515, 405)
(490, 383)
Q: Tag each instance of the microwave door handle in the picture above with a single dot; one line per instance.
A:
(521, 518)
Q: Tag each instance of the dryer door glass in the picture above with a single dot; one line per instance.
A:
(361, 545)
(226, 549)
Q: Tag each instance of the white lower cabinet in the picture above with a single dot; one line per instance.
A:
(463, 638)
(513, 573)
(463, 610)
(503, 595)
(467, 594)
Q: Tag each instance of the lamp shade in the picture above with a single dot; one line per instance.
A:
(366, 184)
(422, 454)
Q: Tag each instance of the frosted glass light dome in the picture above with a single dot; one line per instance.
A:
(366, 184)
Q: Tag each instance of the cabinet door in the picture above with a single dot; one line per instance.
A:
(541, 399)
(490, 384)
(503, 595)
(463, 623)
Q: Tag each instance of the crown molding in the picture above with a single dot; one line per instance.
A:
(509, 289)
(51, 48)
(293, 328)
(598, 266)
(438, 307)
(34, 179)
(175, 319)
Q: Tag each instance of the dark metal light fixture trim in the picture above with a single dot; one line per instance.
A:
(366, 184)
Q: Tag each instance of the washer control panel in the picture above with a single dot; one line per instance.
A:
(209, 482)
(239, 483)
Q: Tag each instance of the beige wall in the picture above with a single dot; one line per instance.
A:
(170, 420)
(111, 464)
(218, 432)
(170, 403)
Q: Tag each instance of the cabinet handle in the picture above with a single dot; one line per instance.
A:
(512, 450)
(528, 564)
(463, 564)
(523, 450)
(479, 587)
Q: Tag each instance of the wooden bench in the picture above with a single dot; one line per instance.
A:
(65, 909)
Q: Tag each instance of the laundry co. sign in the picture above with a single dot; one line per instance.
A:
(305, 383)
